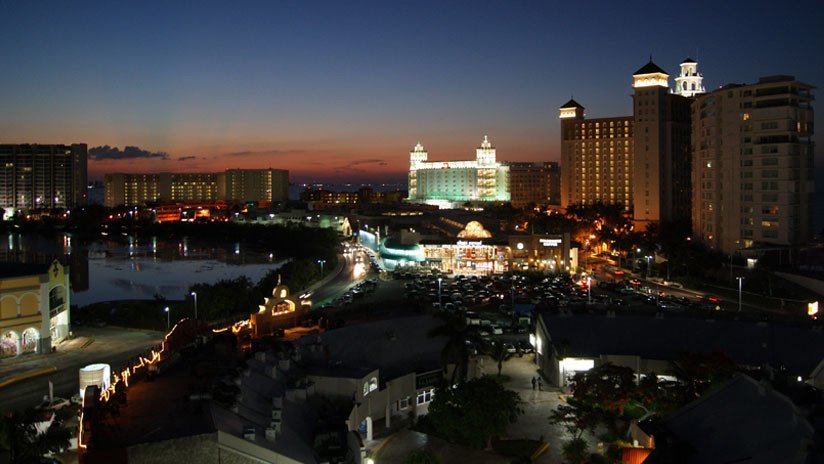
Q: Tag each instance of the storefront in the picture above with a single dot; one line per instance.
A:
(466, 257)
(545, 253)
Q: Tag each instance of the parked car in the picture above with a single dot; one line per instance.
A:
(524, 346)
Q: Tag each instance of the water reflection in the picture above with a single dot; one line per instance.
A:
(133, 269)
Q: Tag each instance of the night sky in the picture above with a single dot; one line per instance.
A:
(343, 90)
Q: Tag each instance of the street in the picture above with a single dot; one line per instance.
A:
(111, 345)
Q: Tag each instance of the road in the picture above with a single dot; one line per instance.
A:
(353, 270)
(109, 345)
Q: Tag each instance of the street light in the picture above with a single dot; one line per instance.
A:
(740, 281)
(166, 310)
(321, 262)
(589, 291)
(440, 304)
(194, 294)
(649, 266)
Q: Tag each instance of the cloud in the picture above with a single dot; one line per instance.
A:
(379, 162)
(273, 152)
(186, 158)
(113, 153)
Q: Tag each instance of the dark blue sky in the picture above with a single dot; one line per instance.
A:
(340, 89)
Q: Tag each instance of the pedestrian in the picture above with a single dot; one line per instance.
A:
(540, 384)
(534, 382)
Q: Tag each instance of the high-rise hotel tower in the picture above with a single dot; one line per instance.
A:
(36, 176)
(641, 161)
(753, 164)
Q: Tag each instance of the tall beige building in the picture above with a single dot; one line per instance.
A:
(753, 164)
(641, 162)
(596, 158)
(661, 174)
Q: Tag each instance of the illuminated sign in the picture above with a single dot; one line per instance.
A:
(812, 309)
(466, 243)
(551, 242)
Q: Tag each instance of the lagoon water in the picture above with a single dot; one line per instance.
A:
(124, 268)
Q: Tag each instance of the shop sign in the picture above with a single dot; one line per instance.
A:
(550, 242)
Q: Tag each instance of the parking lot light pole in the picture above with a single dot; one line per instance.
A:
(194, 295)
(740, 281)
(168, 317)
(440, 301)
(321, 262)
(513, 297)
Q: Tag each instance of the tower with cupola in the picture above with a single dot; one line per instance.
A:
(689, 81)
(416, 157)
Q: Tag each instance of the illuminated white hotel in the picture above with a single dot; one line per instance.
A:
(449, 183)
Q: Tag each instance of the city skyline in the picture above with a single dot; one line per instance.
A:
(335, 93)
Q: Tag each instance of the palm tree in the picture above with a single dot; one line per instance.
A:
(456, 351)
(19, 436)
(497, 351)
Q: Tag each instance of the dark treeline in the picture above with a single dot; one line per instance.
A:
(286, 241)
(221, 301)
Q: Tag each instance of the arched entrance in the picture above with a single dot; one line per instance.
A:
(30, 340)
(9, 344)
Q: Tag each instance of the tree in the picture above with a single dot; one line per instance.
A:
(474, 412)
(19, 436)
(497, 351)
(608, 387)
(458, 333)
(576, 416)
(698, 372)
(575, 451)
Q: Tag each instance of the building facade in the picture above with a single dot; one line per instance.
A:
(449, 183)
(641, 162)
(260, 185)
(662, 159)
(538, 183)
(36, 177)
(34, 307)
(597, 158)
(753, 164)
(234, 185)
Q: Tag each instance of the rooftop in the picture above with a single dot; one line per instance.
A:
(799, 348)
(743, 420)
(8, 270)
(395, 346)
(650, 68)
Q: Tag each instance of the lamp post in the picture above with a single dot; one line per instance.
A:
(740, 281)
(649, 266)
(194, 295)
(166, 310)
(440, 304)
(321, 262)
